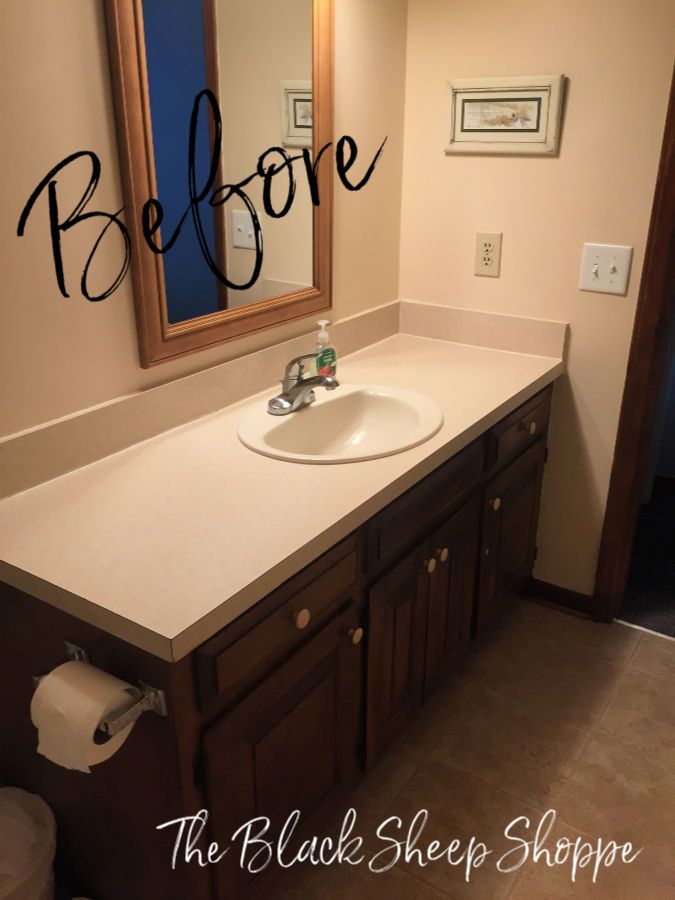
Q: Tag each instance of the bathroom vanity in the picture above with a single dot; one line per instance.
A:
(290, 700)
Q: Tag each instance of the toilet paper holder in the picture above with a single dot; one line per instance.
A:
(149, 699)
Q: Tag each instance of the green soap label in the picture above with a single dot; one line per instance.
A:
(326, 362)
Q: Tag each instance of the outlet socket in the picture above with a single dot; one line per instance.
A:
(488, 254)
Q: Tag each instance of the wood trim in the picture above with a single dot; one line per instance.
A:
(137, 168)
(645, 371)
(160, 340)
(556, 596)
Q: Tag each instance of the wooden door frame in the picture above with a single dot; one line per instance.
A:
(646, 365)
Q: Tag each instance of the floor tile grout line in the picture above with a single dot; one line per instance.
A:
(420, 758)
(638, 644)
(505, 793)
(447, 764)
(412, 873)
(646, 633)
(416, 757)
(588, 735)
(463, 771)
(663, 679)
(658, 634)
(593, 731)
(571, 644)
(612, 696)
(582, 832)
(501, 790)
(626, 669)
(533, 712)
(452, 719)
(494, 689)
(589, 731)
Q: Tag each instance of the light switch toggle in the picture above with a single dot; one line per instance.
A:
(605, 268)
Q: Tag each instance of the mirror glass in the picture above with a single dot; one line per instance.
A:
(256, 58)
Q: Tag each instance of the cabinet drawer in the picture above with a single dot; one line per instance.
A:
(404, 521)
(256, 642)
(523, 427)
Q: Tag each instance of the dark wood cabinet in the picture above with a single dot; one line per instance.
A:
(396, 636)
(401, 524)
(510, 513)
(454, 547)
(419, 624)
(287, 745)
(423, 609)
(518, 431)
(279, 710)
(232, 662)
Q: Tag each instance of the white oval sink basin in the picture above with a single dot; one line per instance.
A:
(352, 423)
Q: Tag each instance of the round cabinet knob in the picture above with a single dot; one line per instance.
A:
(301, 618)
(496, 504)
(532, 428)
(442, 554)
(429, 565)
(355, 635)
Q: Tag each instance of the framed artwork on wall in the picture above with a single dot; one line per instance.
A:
(515, 115)
(296, 113)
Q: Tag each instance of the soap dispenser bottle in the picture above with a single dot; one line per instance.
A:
(326, 357)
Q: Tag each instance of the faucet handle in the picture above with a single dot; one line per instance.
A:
(292, 377)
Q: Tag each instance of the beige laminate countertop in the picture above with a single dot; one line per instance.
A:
(166, 542)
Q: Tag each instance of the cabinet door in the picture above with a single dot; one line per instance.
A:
(451, 593)
(510, 516)
(396, 636)
(286, 745)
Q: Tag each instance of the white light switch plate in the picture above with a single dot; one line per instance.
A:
(242, 229)
(605, 268)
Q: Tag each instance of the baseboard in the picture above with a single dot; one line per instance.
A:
(554, 595)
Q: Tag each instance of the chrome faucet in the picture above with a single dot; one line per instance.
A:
(297, 391)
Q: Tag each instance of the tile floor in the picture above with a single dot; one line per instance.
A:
(552, 712)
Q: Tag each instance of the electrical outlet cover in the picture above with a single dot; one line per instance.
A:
(488, 254)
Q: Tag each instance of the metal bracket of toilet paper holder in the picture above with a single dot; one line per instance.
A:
(151, 699)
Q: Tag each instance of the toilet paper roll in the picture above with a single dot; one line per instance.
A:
(66, 709)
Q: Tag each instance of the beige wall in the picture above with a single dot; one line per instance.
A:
(59, 356)
(618, 56)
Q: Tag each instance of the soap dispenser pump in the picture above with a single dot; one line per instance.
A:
(326, 357)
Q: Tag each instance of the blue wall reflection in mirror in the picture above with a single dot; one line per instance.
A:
(176, 69)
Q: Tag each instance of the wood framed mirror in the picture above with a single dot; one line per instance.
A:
(268, 68)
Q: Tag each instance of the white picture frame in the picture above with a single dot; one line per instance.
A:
(511, 115)
(296, 113)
